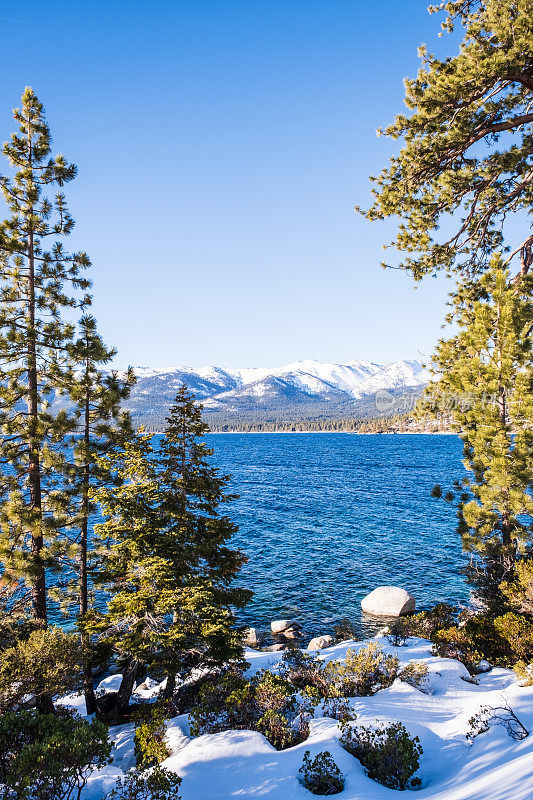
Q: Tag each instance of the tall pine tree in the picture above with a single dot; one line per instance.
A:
(164, 559)
(485, 380)
(40, 284)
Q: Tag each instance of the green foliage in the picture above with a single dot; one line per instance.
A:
(524, 673)
(162, 550)
(426, 623)
(338, 708)
(398, 632)
(390, 755)
(40, 285)
(517, 632)
(155, 784)
(149, 741)
(466, 143)
(485, 373)
(46, 663)
(416, 673)
(456, 643)
(64, 748)
(305, 672)
(320, 774)
(363, 672)
(266, 703)
(519, 591)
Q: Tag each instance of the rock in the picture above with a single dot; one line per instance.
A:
(275, 648)
(292, 633)
(483, 666)
(388, 601)
(253, 637)
(320, 642)
(282, 625)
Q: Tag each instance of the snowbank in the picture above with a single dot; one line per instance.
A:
(242, 765)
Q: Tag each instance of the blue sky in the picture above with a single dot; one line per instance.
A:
(222, 146)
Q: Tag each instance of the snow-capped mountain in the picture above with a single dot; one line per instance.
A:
(302, 389)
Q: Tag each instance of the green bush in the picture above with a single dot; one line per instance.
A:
(456, 643)
(389, 754)
(363, 672)
(65, 747)
(338, 708)
(48, 662)
(517, 632)
(304, 671)
(416, 674)
(399, 631)
(426, 623)
(149, 741)
(321, 775)
(524, 673)
(155, 784)
(267, 703)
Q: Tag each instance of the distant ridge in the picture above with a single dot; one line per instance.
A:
(301, 390)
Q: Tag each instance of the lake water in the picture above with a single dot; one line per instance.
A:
(325, 518)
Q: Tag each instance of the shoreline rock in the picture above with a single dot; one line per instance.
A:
(388, 601)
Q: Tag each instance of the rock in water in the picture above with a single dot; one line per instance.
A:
(253, 637)
(282, 625)
(388, 601)
(320, 642)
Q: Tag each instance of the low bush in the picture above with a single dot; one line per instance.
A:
(363, 672)
(149, 742)
(155, 784)
(456, 643)
(399, 632)
(389, 754)
(517, 632)
(416, 674)
(321, 775)
(65, 747)
(267, 703)
(487, 716)
(304, 671)
(524, 673)
(338, 708)
(426, 623)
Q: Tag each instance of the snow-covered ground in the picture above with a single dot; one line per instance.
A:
(242, 765)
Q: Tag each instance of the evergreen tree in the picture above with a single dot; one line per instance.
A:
(485, 382)
(39, 282)
(468, 143)
(164, 562)
(104, 425)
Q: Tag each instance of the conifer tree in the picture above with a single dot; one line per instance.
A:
(39, 282)
(468, 144)
(103, 426)
(485, 382)
(164, 561)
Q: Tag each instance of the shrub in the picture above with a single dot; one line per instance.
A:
(519, 592)
(267, 703)
(321, 775)
(517, 632)
(47, 662)
(149, 742)
(155, 784)
(524, 673)
(338, 708)
(426, 623)
(65, 747)
(389, 754)
(399, 632)
(456, 643)
(305, 671)
(416, 674)
(363, 672)
(487, 716)
(345, 630)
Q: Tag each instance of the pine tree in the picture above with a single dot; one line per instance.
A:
(468, 144)
(40, 284)
(485, 383)
(103, 426)
(164, 561)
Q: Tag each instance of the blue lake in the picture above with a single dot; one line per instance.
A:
(325, 518)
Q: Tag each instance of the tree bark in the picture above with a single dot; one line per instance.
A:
(126, 687)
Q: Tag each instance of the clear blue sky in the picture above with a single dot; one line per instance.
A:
(222, 146)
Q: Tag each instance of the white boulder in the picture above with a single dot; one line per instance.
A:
(388, 601)
(283, 625)
(320, 642)
(253, 637)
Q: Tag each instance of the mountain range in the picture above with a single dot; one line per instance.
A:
(301, 390)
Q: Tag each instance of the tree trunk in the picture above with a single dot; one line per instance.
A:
(90, 698)
(168, 691)
(126, 687)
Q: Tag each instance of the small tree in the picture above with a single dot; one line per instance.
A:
(163, 557)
